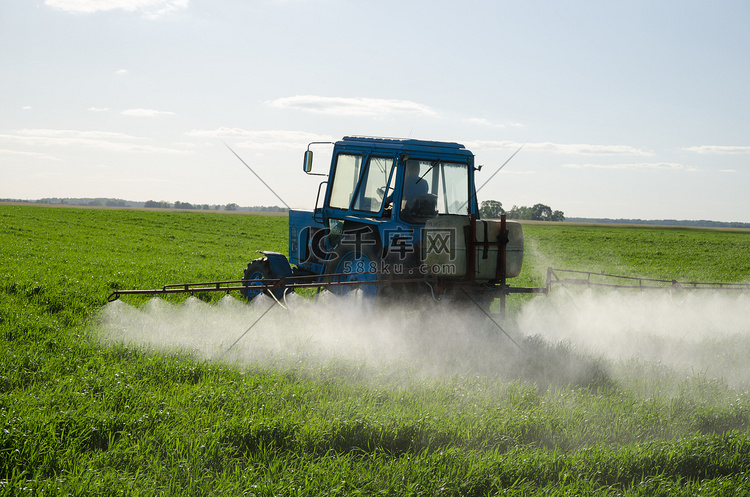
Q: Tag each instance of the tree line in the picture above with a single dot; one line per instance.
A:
(538, 212)
(160, 204)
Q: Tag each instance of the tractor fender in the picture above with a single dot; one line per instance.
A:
(278, 263)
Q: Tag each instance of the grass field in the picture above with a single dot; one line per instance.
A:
(87, 414)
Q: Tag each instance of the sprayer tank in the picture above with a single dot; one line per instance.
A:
(445, 248)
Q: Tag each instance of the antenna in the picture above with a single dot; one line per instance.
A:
(499, 168)
(256, 175)
(493, 175)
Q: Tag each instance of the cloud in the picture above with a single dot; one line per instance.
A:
(121, 71)
(560, 148)
(665, 166)
(146, 113)
(728, 171)
(34, 155)
(118, 142)
(66, 136)
(341, 106)
(718, 149)
(26, 107)
(98, 109)
(151, 9)
(486, 122)
(262, 140)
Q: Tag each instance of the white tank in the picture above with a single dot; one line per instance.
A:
(444, 248)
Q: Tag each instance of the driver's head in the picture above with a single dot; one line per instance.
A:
(412, 168)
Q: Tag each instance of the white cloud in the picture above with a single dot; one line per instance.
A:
(718, 149)
(668, 166)
(486, 122)
(262, 140)
(121, 71)
(26, 107)
(98, 109)
(149, 8)
(728, 171)
(560, 148)
(118, 142)
(34, 155)
(146, 113)
(66, 136)
(341, 106)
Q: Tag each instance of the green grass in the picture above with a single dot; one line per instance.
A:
(686, 254)
(85, 418)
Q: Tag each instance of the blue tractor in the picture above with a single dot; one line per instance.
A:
(394, 216)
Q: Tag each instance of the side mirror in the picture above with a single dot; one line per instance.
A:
(307, 166)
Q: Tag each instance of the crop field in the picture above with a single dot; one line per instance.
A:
(580, 393)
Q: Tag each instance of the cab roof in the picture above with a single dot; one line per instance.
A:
(408, 144)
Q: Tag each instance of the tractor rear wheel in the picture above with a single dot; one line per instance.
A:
(353, 266)
(256, 271)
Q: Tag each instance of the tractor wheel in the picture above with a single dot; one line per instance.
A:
(259, 269)
(351, 265)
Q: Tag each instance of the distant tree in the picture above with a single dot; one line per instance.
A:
(541, 212)
(522, 212)
(491, 209)
(183, 205)
(558, 216)
(153, 204)
(231, 207)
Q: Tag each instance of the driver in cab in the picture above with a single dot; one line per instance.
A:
(413, 184)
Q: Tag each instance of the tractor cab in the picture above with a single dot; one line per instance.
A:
(377, 180)
(381, 192)
(395, 209)
(384, 186)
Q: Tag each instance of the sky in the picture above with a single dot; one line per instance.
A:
(633, 109)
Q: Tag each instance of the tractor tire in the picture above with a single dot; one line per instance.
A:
(352, 265)
(259, 269)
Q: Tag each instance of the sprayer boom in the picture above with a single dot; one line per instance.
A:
(566, 277)
(277, 286)
(555, 277)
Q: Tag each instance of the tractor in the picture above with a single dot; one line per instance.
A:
(393, 217)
